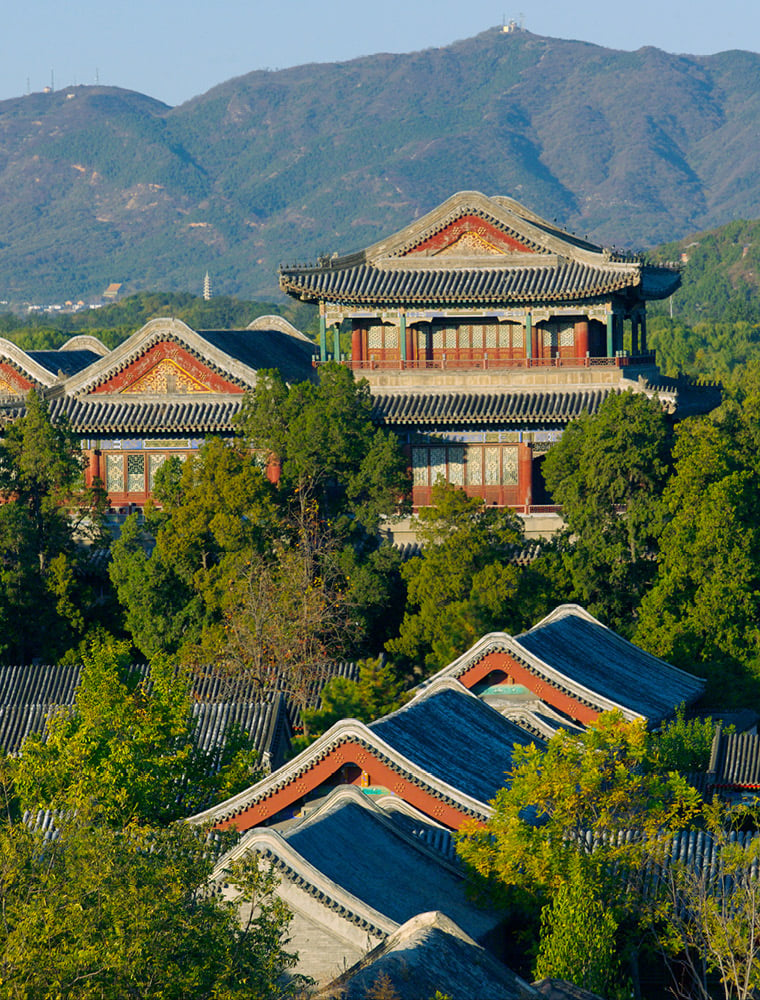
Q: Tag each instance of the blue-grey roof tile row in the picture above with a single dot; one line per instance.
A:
(456, 738)
(605, 663)
(389, 872)
(492, 408)
(571, 280)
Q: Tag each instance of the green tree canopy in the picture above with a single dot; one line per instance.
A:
(328, 447)
(127, 748)
(578, 823)
(46, 517)
(172, 573)
(97, 913)
(608, 471)
(463, 583)
(704, 606)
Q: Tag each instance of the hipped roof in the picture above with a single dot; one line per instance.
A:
(537, 263)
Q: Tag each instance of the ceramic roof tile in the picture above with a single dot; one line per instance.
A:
(392, 872)
(367, 284)
(456, 738)
(426, 407)
(427, 956)
(736, 761)
(602, 661)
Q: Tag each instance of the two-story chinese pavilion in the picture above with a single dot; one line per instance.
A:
(482, 330)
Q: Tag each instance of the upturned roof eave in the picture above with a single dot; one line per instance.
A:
(585, 297)
(347, 730)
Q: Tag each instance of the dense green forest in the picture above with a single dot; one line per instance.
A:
(231, 572)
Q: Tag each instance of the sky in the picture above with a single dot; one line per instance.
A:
(173, 50)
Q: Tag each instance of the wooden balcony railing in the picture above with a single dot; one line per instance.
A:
(494, 364)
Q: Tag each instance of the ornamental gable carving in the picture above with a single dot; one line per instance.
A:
(12, 382)
(167, 377)
(167, 369)
(469, 236)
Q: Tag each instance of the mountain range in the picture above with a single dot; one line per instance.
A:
(101, 185)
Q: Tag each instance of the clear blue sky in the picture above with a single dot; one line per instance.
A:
(175, 50)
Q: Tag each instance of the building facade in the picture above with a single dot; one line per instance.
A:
(482, 330)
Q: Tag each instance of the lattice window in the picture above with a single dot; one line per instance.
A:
(135, 473)
(438, 339)
(492, 334)
(451, 337)
(154, 464)
(474, 465)
(391, 338)
(437, 464)
(509, 466)
(505, 337)
(375, 338)
(477, 337)
(549, 338)
(492, 466)
(115, 473)
(518, 336)
(456, 465)
(419, 466)
(567, 337)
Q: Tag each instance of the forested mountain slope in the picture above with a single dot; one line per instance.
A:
(99, 184)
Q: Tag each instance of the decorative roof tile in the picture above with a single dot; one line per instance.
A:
(484, 407)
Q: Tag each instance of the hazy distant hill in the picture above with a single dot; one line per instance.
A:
(99, 184)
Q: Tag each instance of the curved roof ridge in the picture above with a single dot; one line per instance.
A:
(357, 797)
(274, 846)
(151, 333)
(26, 363)
(578, 611)
(272, 321)
(345, 731)
(85, 342)
(503, 642)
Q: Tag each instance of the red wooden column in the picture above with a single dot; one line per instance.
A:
(92, 472)
(408, 335)
(581, 338)
(356, 345)
(524, 475)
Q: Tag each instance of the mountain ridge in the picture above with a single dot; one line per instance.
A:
(100, 184)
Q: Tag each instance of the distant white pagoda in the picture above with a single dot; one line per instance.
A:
(207, 287)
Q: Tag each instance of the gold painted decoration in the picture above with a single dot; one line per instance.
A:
(470, 244)
(7, 388)
(167, 378)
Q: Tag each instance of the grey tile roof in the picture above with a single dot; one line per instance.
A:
(360, 849)
(572, 654)
(481, 285)
(535, 262)
(66, 361)
(170, 415)
(430, 954)
(28, 694)
(457, 738)
(260, 349)
(578, 646)
(735, 761)
(446, 742)
(488, 408)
